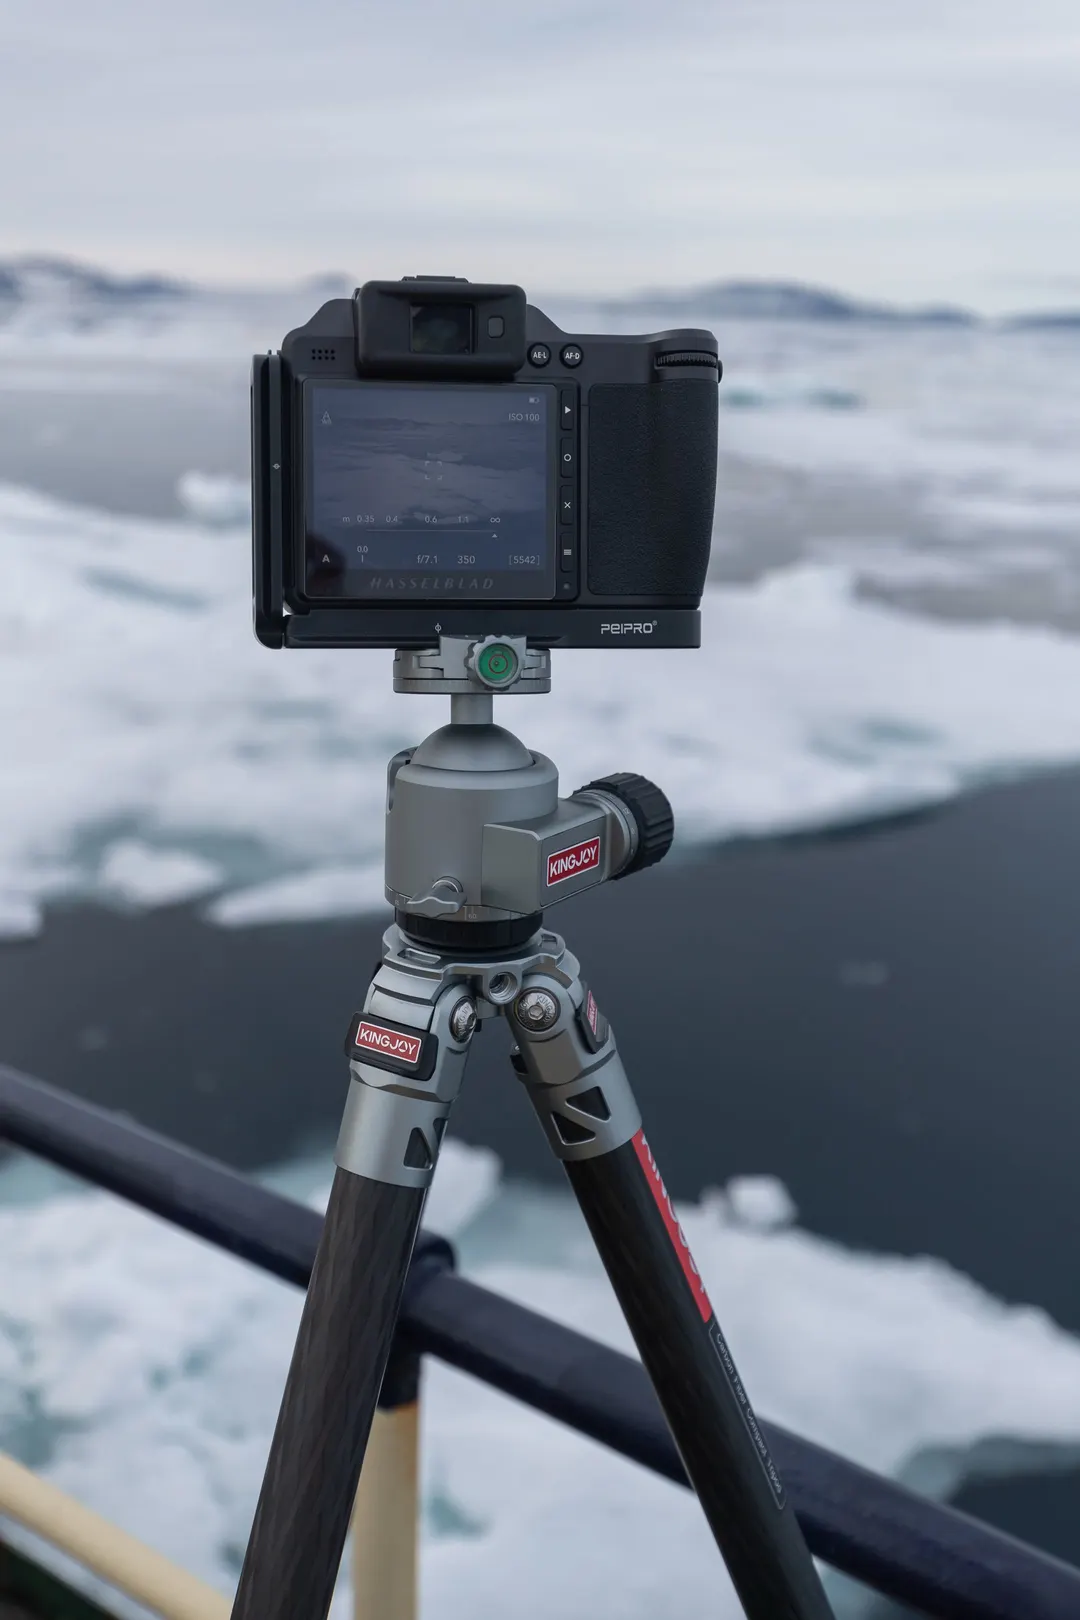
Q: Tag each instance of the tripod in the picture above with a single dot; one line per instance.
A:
(477, 844)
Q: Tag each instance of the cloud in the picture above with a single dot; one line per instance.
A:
(923, 150)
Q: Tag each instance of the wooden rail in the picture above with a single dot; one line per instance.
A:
(147, 1576)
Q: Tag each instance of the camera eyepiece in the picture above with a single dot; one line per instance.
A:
(441, 329)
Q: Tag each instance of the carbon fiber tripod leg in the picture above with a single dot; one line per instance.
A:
(566, 1056)
(406, 1069)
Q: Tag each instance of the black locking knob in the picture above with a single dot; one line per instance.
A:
(651, 812)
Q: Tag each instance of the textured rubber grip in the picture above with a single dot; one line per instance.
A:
(668, 1312)
(652, 486)
(346, 1329)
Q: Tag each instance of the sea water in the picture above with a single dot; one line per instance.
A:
(889, 621)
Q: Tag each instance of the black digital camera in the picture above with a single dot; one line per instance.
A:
(435, 457)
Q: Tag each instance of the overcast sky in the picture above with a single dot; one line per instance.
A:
(908, 150)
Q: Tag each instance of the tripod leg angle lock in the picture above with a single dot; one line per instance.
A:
(478, 845)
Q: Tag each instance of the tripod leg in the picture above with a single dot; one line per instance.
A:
(566, 1056)
(407, 1068)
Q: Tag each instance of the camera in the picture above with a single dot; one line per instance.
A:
(435, 457)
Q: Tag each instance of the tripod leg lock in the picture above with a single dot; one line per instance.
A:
(406, 1071)
(573, 1074)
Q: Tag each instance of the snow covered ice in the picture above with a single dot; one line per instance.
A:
(142, 1371)
(153, 750)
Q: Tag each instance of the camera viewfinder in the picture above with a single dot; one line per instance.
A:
(441, 328)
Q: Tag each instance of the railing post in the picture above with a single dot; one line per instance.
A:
(386, 1515)
(145, 1575)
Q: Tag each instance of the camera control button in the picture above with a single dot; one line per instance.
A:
(571, 355)
(567, 504)
(568, 409)
(567, 457)
(566, 557)
(539, 354)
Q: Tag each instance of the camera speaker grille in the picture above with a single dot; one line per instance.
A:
(323, 354)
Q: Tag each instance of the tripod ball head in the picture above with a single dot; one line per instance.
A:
(476, 833)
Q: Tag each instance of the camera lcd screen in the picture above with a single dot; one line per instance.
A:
(421, 492)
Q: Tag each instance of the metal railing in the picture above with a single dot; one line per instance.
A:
(921, 1553)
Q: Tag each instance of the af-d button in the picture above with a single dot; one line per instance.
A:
(571, 355)
(539, 354)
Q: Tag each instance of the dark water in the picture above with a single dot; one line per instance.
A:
(117, 434)
(887, 1020)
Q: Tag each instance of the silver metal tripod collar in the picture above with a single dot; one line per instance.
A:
(408, 1048)
(467, 665)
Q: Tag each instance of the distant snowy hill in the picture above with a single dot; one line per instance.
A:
(78, 294)
(1059, 320)
(58, 304)
(784, 300)
(53, 299)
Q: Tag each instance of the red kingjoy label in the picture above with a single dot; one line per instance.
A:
(392, 1043)
(567, 863)
(592, 1012)
(671, 1221)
